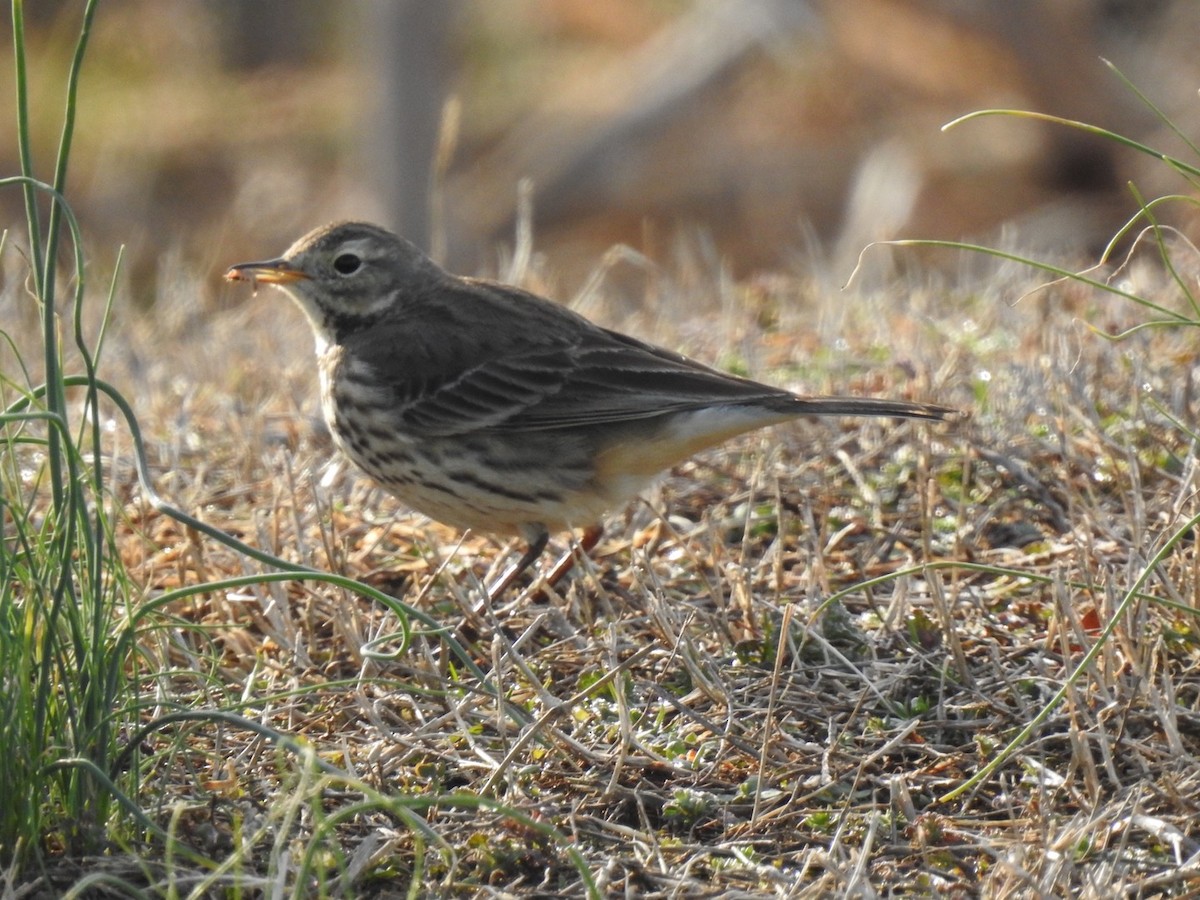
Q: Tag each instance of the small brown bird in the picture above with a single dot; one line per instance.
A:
(487, 407)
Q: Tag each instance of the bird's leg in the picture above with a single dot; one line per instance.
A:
(513, 572)
(587, 541)
(468, 629)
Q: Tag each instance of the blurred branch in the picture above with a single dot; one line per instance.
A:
(571, 160)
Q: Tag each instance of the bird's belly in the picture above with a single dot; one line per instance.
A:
(498, 483)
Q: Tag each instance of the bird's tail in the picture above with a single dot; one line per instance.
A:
(868, 406)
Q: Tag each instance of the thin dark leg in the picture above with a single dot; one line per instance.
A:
(513, 572)
(469, 629)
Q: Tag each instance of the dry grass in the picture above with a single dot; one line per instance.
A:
(690, 712)
(765, 680)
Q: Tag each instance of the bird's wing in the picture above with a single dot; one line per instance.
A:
(442, 379)
(613, 378)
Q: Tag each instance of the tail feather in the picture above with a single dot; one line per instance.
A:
(867, 406)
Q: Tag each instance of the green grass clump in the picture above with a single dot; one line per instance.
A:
(66, 603)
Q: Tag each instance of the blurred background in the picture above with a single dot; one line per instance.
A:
(758, 133)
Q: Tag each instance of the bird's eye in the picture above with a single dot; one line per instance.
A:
(347, 264)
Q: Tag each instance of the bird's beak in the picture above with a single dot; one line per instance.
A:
(272, 271)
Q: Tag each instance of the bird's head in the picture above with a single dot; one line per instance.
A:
(345, 276)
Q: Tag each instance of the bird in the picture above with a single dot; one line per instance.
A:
(487, 407)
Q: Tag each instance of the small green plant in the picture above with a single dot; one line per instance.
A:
(687, 807)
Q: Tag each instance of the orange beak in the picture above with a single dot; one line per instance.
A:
(273, 271)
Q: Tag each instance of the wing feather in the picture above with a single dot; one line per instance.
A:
(487, 357)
